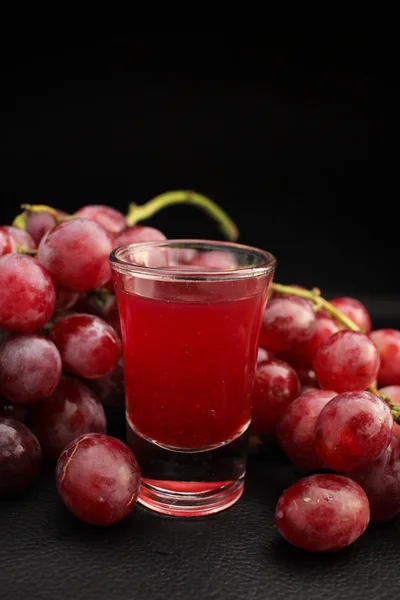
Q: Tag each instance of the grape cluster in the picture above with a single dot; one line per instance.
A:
(339, 423)
(60, 350)
(326, 385)
(60, 358)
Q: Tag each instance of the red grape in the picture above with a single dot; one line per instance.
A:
(89, 346)
(136, 234)
(98, 479)
(110, 219)
(30, 368)
(20, 455)
(393, 392)
(295, 429)
(7, 243)
(12, 411)
(287, 321)
(307, 378)
(380, 480)
(83, 303)
(37, 224)
(347, 361)
(76, 255)
(65, 299)
(27, 293)
(276, 385)
(110, 389)
(388, 343)
(322, 513)
(302, 355)
(354, 310)
(263, 355)
(70, 411)
(21, 238)
(113, 319)
(353, 429)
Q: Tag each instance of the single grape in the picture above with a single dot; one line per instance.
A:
(98, 479)
(295, 428)
(89, 346)
(30, 368)
(387, 342)
(76, 255)
(37, 224)
(110, 389)
(287, 321)
(65, 300)
(353, 429)
(276, 385)
(20, 455)
(27, 293)
(84, 303)
(263, 355)
(7, 243)
(18, 412)
(136, 234)
(307, 378)
(347, 361)
(109, 218)
(21, 238)
(393, 392)
(380, 480)
(72, 410)
(354, 310)
(112, 317)
(302, 355)
(322, 513)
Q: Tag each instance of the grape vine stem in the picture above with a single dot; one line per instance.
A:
(145, 211)
(320, 303)
(138, 213)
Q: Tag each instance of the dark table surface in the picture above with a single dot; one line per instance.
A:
(46, 554)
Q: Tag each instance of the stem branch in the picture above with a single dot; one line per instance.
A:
(145, 211)
(40, 208)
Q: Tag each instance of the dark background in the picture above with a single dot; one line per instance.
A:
(288, 128)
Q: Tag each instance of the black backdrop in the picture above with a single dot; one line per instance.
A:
(289, 131)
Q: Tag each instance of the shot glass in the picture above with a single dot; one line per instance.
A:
(191, 314)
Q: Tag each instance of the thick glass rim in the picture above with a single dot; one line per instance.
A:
(267, 263)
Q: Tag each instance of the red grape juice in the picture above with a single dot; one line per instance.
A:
(189, 368)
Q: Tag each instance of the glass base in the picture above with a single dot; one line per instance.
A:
(188, 483)
(189, 499)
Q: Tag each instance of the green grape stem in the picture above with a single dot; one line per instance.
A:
(138, 213)
(320, 303)
(145, 211)
(21, 250)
